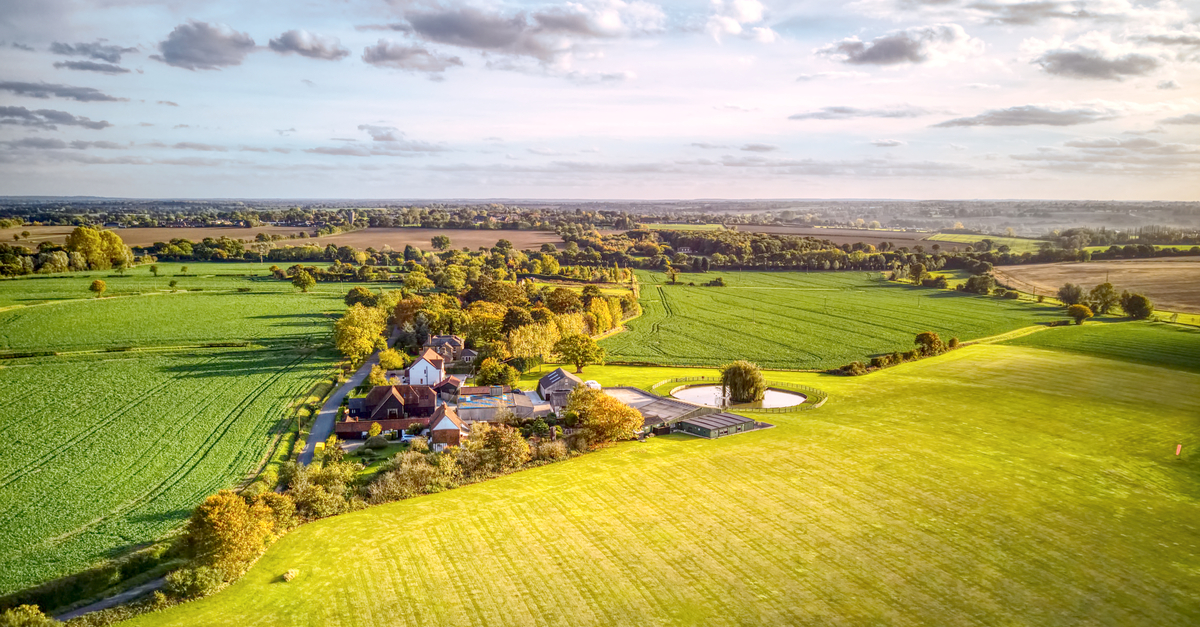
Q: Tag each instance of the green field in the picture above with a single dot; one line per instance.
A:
(803, 320)
(994, 485)
(102, 451)
(1017, 245)
(1156, 344)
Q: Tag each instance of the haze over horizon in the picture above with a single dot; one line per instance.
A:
(731, 99)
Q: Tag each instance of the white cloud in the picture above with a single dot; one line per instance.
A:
(737, 18)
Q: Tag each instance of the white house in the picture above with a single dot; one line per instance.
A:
(428, 369)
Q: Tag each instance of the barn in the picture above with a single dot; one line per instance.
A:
(716, 425)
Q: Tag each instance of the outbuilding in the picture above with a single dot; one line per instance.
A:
(716, 425)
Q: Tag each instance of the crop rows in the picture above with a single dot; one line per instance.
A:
(800, 320)
(103, 453)
(1173, 346)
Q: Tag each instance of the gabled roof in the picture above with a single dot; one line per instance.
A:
(390, 393)
(450, 381)
(420, 395)
(377, 395)
(430, 356)
(556, 376)
(439, 340)
(467, 352)
(444, 419)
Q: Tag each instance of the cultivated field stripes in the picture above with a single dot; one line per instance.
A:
(862, 317)
(149, 459)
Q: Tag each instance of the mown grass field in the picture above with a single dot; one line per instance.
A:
(100, 451)
(994, 485)
(803, 320)
(1016, 245)
(1157, 344)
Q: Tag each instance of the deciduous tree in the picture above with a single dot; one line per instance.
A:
(98, 287)
(1103, 298)
(227, 533)
(359, 332)
(1070, 294)
(743, 382)
(580, 350)
(303, 280)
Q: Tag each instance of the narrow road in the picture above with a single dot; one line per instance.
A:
(323, 425)
(114, 601)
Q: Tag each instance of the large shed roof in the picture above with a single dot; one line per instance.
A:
(718, 421)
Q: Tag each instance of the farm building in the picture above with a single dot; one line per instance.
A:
(394, 407)
(660, 414)
(556, 386)
(716, 425)
(448, 388)
(487, 406)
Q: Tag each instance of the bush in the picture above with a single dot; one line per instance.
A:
(1079, 313)
(897, 358)
(854, 369)
(375, 442)
(551, 451)
(421, 445)
(193, 583)
(25, 616)
(953, 343)
(880, 362)
(1012, 294)
(1041, 298)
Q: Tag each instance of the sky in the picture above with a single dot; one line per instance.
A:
(603, 99)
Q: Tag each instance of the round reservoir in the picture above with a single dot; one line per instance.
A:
(710, 395)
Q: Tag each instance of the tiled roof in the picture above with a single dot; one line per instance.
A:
(554, 377)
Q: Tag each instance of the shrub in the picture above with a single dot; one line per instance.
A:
(980, 284)
(880, 362)
(911, 355)
(421, 445)
(1136, 306)
(193, 583)
(1041, 298)
(1079, 313)
(953, 343)
(551, 451)
(291, 574)
(26, 616)
(854, 369)
(375, 442)
(897, 358)
(375, 429)
(1012, 294)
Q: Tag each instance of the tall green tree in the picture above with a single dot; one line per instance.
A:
(359, 332)
(440, 242)
(743, 382)
(98, 287)
(1102, 298)
(580, 350)
(303, 280)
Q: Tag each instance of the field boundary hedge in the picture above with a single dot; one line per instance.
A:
(814, 398)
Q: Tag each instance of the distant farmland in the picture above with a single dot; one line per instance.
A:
(397, 238)
(803, 320)
(845, 236)
(1173, 284)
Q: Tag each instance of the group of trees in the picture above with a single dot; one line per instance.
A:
(84, 249)
(1102, 300)
(928, 344)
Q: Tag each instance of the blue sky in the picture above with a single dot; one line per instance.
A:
(606, 99)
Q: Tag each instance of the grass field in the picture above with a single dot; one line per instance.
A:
(846, 235)
(803, 320)
(995, 485)
(1016, 245)
(658, 226)
(1173, 284)
(1158, 344)
(107, 450)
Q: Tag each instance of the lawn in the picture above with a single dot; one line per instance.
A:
(803, 320)
(1017, 245)
(992, 485)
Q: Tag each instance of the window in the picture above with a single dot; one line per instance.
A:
(393, 414)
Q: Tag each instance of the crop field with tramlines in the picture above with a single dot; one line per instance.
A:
(992, 485)
(1159, 344)
(803, 320)
(111, 442)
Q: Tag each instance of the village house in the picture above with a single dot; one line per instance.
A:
(449, 387)
(468, 356)
(428, 369)
(450, 347)
(394, 407)
(556, 387)
(446, 430)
